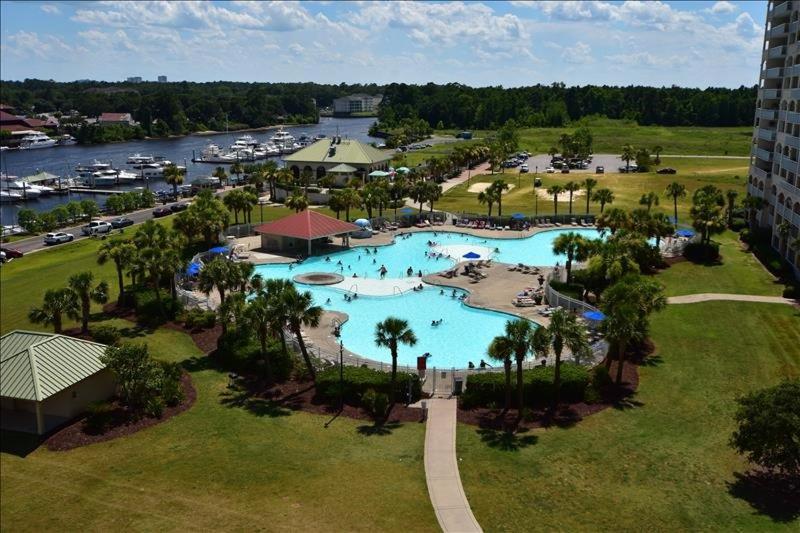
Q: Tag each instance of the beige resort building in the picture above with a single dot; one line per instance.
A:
(343, 158)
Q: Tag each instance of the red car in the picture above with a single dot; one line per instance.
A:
(11, 253)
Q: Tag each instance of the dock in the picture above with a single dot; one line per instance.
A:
(89, 190)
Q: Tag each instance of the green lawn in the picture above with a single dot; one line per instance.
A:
(628, 188)
(739, 273)
(223, 467)
(662, 464)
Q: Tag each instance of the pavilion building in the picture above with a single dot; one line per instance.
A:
(303, 232)
(342, 158)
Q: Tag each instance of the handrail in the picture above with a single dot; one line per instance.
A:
(351, 288)
(399, 290)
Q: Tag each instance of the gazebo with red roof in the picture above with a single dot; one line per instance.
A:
(291, 232)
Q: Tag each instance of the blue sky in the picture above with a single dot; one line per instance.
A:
(693, 44)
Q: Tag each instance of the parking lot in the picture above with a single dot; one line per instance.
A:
(610, 162)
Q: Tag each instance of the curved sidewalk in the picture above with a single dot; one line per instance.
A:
(710, 296)
(441, 469)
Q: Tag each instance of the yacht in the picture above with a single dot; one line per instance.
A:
(246, 140)
(214, 154)
(8, 197)
(95, 166)
(110, 177)
(138, 159)
(282, 138)
(36, 140)
(150, 170)
(270, 149)
(67, 140)
(24, 189)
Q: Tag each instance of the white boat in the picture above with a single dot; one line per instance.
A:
(110, 177)
(36, 140)
(8, 197)
(96, 166)
(24, 189)
(214, 154)
(270, 149)
(150, 170)
(244, 142)
(282, 138)
(290, 148)
(67, 140)
(138, 159)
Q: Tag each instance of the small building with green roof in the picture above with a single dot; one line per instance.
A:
(47, 379)
(337, 156)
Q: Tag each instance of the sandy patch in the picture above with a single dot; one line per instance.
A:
(563, 197)
(743, 169)
(480, 187)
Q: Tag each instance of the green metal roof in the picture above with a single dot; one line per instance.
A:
(35, 366)
(343, 168)
(347, 151)
(41, 176)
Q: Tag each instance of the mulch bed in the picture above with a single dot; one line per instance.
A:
(567, 414)
(73, 435)
(297, 395)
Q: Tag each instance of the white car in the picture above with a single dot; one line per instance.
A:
(57, 238)
(96, 226)
(550, 170)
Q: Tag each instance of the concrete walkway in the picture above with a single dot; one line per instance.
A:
(707, 297)
(441, 469)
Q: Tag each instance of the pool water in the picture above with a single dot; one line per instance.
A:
(464, 332)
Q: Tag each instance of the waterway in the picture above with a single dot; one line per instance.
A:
(62, 160)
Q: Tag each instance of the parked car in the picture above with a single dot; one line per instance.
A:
(523, 169)
(161, 212)
(121, 222)
(666, 170)
(565, 170)
(178, 207)
(58, 237)
(600, 170)
(550, 170)
(11, 253)
(95, 227)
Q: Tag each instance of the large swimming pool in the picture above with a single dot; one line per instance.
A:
(464, 332)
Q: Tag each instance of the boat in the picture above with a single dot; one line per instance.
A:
(214, 154)
(24, 189)
(207, 182)
(8, 197)
(290, 148)
(138, 159)
(245, 141)
(270, 149)
(281, 138)
(67, 140)
(96, 166)
(150, 170)
(35, 141)
(110, 177)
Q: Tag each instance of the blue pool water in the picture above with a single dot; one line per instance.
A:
(464, 333)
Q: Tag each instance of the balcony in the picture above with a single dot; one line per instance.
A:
(772, 73)
(776, 52)
(793, 117)
(764, 155)
(791, 71)
(753, 190)
(770, 94)
(788, 140)
(794, 94)
(759, 173)
(766, 134)
(789, 189)
(789, 215)
(779, 31)
(782, 9)
(767, 114)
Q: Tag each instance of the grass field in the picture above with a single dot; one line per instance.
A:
(628, 188)
(662, 463)
(222, 466)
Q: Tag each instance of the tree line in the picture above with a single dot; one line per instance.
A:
(460, 106)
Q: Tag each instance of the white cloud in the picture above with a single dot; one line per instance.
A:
(25, 44)
(648, 60)
(722, 7)
(579, 53)
(50, 9)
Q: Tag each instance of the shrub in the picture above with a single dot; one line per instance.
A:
(375, 402)
(154, 407)
(573, 290)
(701, 252)
(240, 352)
(171, 389)
(791, 291)
(738, 224)
(99, 417)
(745, 236)
(106, 334)
(358, 380)
(147, 309)
(199, 318)
(484, 389)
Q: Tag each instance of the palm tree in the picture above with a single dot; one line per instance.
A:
(571, 187)
(486, 197)
(81, 283)
(500, 349)
(237, 169)
(220, 173)
(649, 200)
(628, 155)
(233, 201)
(589, 184)
(335, 203)
(122, 253)
(614, 220)
(518, 333)
(657, 149)
(174, 176)
(752, 204)
(419, 193)
(706, 212)
(783, 230)
(497, 187)
(565, 330)
(389, 334)
(552, 152)
(297, 201)
(57, 304)
(675, 190)
(603, 197)
(540, 342)
(351, 199)
(731, 196)
(621, 326)
(433, 194)
(661, 227)
(300, 311)
(259, 317)
(216, 274)
(574, 246)
(555, 190)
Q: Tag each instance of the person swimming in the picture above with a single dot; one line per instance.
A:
(328, 301)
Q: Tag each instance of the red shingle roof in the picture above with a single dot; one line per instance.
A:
(114, 117)
(307, 225)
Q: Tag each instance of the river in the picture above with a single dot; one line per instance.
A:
(62, 160)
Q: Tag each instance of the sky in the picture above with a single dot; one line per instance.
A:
(516, 43)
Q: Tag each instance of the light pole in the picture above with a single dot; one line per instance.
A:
(341, 375)
(535, 194)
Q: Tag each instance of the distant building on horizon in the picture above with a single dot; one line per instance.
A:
(162, 79)
(134, 79)
(356, 103)
(775, 155)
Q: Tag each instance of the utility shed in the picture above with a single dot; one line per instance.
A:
(48, 379)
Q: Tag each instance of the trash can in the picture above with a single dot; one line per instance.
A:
(422, 362)
(458, 386)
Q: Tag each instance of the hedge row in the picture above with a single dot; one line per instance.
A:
(489, 388)
(358, 380)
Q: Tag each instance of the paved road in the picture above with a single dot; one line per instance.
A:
(709, 296)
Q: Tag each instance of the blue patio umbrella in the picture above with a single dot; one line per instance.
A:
(219, 250)
(471, 255)
(594, 315)
(517, 216)
(363, 222)
(193, 269)
(406, 210)
(685, 233)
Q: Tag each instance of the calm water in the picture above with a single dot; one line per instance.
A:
(62, 160)
(464, 333)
